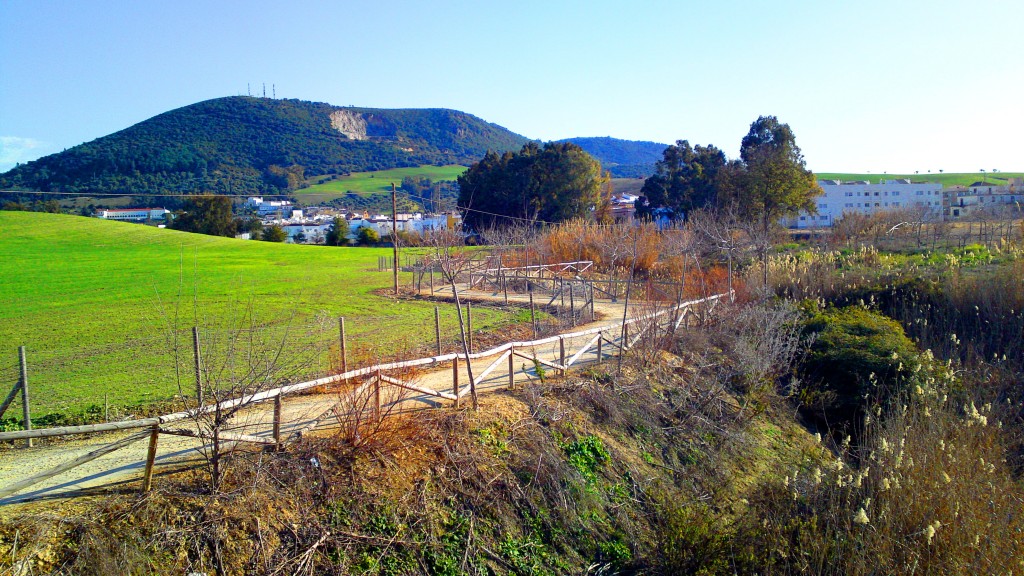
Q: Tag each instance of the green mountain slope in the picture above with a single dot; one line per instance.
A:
(244, 145)
(623, 158)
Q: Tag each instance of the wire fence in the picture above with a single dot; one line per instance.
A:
(135, 375)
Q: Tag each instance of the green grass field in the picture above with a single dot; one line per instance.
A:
(370, 183)
(98, 304)
(961, 179)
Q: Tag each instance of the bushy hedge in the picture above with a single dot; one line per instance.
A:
(858, 358)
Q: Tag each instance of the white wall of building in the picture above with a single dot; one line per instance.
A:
(133, 214)
(866, 198)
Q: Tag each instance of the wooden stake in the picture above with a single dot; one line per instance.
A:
(344, 344)
(572, 305)
(394, 232)
(599, 342)
(437, 328)
(10, 397)
(469, 325)
(25, 411)
(376, 397)
(431, 279)
(147, 478)
(278, 405)
(511, 368)
(561, 353)
(533, 310)
(455, 379)
(592, 315)
(197, 359)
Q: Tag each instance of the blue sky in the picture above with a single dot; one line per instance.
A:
(866, 86)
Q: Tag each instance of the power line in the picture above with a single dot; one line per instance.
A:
(156, 195)
(165, 195)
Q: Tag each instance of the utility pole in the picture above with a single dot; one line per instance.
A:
(394, 231)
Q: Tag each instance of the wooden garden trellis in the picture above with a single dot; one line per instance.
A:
(153, 427)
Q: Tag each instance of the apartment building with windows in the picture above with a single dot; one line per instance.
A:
(863, 197)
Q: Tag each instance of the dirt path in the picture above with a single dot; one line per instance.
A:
(122, 470)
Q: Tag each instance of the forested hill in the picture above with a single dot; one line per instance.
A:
(623, 158)
(245, 145)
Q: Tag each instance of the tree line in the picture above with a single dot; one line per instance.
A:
(560, 181)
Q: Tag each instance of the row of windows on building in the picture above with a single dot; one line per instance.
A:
(886, 193)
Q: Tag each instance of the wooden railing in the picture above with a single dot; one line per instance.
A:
(155, 426)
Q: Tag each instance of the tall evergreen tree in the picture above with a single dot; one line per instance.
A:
(556, 182)
(775, 181)
(206, 215)
(686, 178)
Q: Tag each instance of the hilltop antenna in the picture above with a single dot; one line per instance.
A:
(264, 89)
(248, 89)
(273, 88)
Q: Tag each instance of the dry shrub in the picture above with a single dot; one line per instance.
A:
(610, 247)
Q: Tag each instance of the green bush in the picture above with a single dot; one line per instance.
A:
(367, 236)
(858, 358)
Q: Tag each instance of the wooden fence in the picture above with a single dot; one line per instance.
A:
(152, 428)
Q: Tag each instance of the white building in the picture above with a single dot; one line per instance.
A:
(863, 197)
(982, 197)
(312, 232)
(263, 208)
(133, 214)
(417, 223)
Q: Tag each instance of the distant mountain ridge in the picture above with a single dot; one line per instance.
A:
(242, 145)
(623, 158)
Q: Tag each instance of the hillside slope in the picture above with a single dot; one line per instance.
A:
(623, 158)
(241, 145)
(98, 305)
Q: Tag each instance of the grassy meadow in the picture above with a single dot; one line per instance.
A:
(99, 305)
(370, 183)
(960, 179)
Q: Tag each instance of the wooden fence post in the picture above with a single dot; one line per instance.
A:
(147, 477)
(197, 360)
(469, 326)
(572, 305)
(344, 344)
(561, 353)
(592, 296)
(25, 410)
(511, 368)
(455, 379)
(278, 402)
(376, 398)
(600, 341)
(504, 286)
(533, 310)
(431, 279)
(437, 328)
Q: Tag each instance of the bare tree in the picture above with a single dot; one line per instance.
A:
(224, 364)
(723, 232)
(452, 258)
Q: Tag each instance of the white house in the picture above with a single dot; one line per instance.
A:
(133, 214)
(863, 197)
